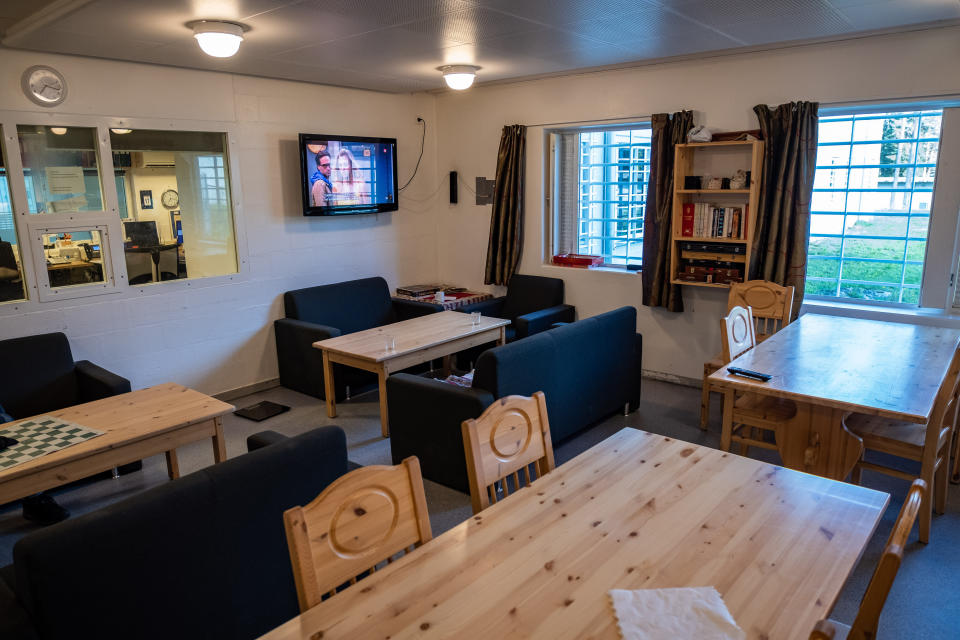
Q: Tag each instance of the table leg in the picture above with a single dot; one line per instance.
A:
(384, 416)
(816, 441)
(219, 443)
(503, 336)
(173, 466)
(328, 388)
(726, 424)
(447, 368)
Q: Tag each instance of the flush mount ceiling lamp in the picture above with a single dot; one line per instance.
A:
(459, 76)
(120, 132)
(218, 38)
(58, 131)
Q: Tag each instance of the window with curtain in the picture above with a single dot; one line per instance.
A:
(600, 192)
(871, 205)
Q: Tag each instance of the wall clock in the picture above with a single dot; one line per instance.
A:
(44, 85)
(170, 199)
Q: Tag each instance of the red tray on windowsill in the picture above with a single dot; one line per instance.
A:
(577, 260)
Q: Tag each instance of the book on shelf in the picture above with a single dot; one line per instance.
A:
(710, 221)
(686, 222)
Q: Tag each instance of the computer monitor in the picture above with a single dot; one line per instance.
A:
(142, 234)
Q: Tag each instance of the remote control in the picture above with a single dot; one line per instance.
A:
(747, 373)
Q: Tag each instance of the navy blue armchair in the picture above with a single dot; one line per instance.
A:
(328, 311)
(532, 304)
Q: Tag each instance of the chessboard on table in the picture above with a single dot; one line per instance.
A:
(39, 436)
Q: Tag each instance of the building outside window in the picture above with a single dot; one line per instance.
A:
(601, 191)
(871, 205)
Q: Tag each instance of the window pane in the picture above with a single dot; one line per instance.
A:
(875, 175)
(613, 173)
(74, 258)
(177, 209)
(11, 271)
(60, 168)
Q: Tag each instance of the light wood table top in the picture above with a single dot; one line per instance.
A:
(137, 424)
(412, 335)
(883, 368)
(636, 511)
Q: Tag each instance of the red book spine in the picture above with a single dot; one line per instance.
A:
(686, 227)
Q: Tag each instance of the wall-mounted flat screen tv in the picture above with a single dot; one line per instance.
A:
(345, 175)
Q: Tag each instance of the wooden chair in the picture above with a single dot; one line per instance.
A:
(927, 444)
(772, 310)
(511, 435)
(362, 519)
(864, 626)
(746, 413)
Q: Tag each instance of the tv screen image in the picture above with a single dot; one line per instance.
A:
(347, 174)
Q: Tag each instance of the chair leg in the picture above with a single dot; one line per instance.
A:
(940, 485)
(955, 478)
(926, 506)
(856, 476)
(705, 404)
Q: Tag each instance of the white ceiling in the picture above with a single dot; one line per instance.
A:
(396, 45)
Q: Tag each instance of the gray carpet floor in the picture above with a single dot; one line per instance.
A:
(924, 602)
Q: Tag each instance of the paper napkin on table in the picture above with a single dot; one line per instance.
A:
(670, 614)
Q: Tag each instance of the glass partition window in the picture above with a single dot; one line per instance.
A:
(174, 198)
(74, 258)
(60, 168)
(11, 271)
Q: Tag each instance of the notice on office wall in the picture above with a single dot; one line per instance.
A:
(65, 181)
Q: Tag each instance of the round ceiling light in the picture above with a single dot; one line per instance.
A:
(218, 38)
(59, 131)
(459, 76)
(120, 132)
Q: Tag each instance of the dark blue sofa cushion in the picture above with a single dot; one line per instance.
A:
(204, 556)
(349, 306)
(586, 369)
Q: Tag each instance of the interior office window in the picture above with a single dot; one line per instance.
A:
(601, 192)
(74, 258)
(11, 269)
(870, 209)
(174, 188)
(60, 168)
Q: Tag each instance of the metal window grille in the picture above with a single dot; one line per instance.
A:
(602, 193)
(870, 207)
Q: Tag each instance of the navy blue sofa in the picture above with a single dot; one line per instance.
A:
(588, 370)
(204, 556)
(328, 311)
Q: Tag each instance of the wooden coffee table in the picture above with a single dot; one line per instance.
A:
(416, 340)
(137, 424)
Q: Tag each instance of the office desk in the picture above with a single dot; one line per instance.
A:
(637, 511)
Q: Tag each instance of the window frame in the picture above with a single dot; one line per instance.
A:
(554, 187)
(110, 217)
(938, 285)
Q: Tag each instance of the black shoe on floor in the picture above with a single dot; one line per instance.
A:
(43, 509)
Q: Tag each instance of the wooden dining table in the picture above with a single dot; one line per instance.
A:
(831, 365)
(637, 511)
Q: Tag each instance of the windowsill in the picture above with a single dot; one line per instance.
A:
(623, 272)
(925, 316)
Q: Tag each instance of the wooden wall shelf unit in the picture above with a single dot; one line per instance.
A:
(704, 259)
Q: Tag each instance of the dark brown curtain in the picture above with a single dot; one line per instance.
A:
(657, 290)
(783, 222)
(506, 221)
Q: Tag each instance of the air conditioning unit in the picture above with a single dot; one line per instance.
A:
(149, 159)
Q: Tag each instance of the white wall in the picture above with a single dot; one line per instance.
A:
(219, 337)
(723, 91)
